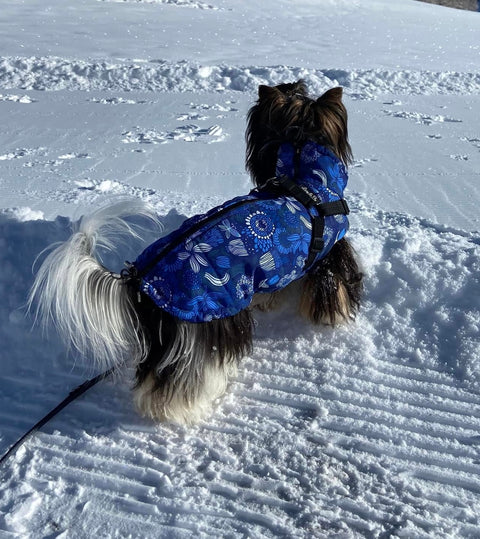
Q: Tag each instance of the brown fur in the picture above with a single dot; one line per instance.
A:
(285, 113)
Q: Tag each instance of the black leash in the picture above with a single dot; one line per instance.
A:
(74, 394)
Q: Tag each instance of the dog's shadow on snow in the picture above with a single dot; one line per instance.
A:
(37, 372)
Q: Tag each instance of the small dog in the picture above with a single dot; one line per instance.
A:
(182, 312)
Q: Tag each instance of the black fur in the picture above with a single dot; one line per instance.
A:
(285, 113)
(228, 339)
(322, 283)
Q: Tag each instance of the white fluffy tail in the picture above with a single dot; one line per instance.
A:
(89, 305)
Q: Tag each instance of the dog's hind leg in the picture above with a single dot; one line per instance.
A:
(333, 288)
(190, 367)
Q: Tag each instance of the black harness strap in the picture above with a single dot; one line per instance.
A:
(309, 200)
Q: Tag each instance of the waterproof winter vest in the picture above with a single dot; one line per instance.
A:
(214, 263)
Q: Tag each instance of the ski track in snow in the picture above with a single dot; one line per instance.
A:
(368, 430)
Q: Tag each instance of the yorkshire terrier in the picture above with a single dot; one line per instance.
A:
(182, 312)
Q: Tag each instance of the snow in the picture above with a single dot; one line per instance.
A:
(366, 430)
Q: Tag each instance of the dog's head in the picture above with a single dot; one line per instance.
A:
(285, 113)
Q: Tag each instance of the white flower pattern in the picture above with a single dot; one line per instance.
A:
(193, 252)
(214, 270)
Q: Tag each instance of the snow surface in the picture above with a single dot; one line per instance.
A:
(367, 430)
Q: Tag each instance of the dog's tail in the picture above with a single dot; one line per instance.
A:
(92, 307)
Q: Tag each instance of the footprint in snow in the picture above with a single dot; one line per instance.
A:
(473, 140)
(111, 187)
(419, 118)
(187, 133)
(360, 162)
(17, 98)
(216, 107)
(117, 101)
(19, 153)
(393, 102)
(191, 116)
(67, 156)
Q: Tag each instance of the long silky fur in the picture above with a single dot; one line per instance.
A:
(90, 306)
(188, 365)
(285, 113)
(181, 367)
(332, 290)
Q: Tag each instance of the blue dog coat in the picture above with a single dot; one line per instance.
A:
(214, 263)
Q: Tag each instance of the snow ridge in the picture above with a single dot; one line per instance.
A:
(54, 73)
(179, 3)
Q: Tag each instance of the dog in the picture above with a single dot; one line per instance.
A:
(183, 311)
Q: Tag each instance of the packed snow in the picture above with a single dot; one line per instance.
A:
(366, 430)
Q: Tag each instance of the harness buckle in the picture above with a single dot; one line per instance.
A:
(346, 209)
(317, 245)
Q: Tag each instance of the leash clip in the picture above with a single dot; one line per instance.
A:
(129, 272)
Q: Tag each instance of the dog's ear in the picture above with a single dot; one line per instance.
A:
(334, 95)
(267, 92)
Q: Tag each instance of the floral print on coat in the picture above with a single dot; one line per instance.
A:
(214, 263)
